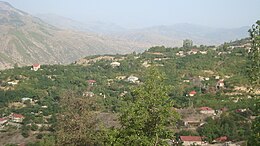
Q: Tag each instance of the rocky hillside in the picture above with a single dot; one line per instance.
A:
(25, 39)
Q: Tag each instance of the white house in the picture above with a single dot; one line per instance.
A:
(203, 52)
(26, 99)
(220, 84)
(115, 64)
(132, 79)
(35, 67)
(12, 83)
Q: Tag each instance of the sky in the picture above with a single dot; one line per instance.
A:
(146, 13)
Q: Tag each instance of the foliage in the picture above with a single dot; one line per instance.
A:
(146, 119)
(254, 55)
(76, 121)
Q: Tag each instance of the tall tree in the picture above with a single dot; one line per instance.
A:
(254, 58)
(254, 55)
(146, 119)
(76, 121)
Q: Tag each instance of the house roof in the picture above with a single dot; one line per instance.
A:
(17, 116)
(193, 92)
(190, 138)
(2, 119)
(36, 65)
(222, 138)
(205, 109)
(91, 81)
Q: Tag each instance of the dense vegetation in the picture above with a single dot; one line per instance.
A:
(62, 92)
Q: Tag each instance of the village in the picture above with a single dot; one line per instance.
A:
(201, 93)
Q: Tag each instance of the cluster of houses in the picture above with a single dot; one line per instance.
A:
(198, 140)
(12, 119)
(191, 52)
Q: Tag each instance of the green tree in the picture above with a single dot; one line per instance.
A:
(254, 138)
(254, 55)
(254, 74)
(76, 121)
(146, 119)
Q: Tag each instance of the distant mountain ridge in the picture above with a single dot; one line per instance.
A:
(25, 39)
(168, 35)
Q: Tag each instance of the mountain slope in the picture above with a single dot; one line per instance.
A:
(178, 32)
(25, 39)
(171, 35)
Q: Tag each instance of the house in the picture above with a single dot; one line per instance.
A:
(115, 64)
(192, 93)
(18, 118)
(12, 83)
(203, 52)
(186, 81)
(180, 53)
(191, 140)
(146, 64)
(35, 67)
(221, 139)
(192, 123)
(220, 84)
(206, 110)
(88, 94)
(27, 99)
(132, 79)
(206, 78)
(193, 51)
(217, 77)
(3, 121)
(91, 82)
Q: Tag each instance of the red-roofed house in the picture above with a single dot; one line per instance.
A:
(192, 93)
(221, 139)
(191, 140)
(18, 118)
(206, 110)
(91, 82)
(35, 67)
(3, 121)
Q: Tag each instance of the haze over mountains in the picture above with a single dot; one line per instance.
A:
(169, 35)
(26, 39)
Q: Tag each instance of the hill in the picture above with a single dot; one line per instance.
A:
(167, 35)
(26, 39)
(216, 75)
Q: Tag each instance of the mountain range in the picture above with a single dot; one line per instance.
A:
(52, 39)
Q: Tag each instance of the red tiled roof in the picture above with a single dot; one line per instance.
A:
(36, 65)
(17, 116)
(193, 92)
(190, 138)
(205, 109)
(222, 138)
(91, 81)
(2, 119)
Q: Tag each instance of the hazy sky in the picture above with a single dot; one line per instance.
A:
(142, 13)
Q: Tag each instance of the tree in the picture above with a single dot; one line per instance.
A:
(254, 74)
(146, 119)
(76, 121)
(254, 55)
